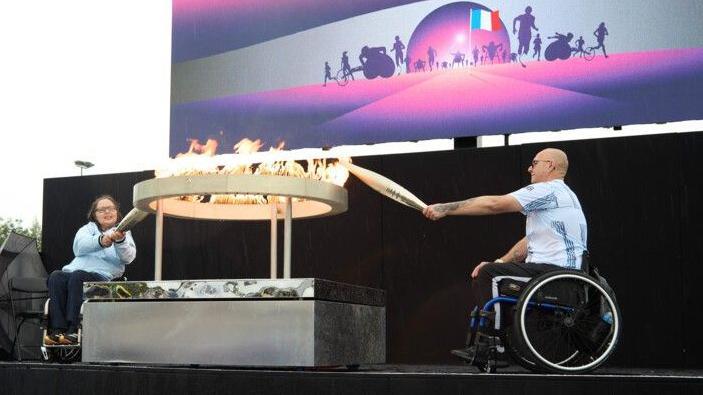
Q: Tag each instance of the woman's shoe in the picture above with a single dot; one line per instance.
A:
(68, 340)
(52, 340)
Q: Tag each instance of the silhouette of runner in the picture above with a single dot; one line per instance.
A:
(475, 52)
(398, 48)
(328, 73)
(538, 47)
(407, 65)
(431, 53)
(492, 50)
(346, 69)
(600, 34)
(579, 47)
(420, 65)
(527, 23)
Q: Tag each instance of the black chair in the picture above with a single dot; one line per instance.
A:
(27, 297)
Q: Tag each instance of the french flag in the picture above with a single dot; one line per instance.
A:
(484, 20)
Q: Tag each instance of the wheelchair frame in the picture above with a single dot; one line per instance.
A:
(593, 327)
(63, 353)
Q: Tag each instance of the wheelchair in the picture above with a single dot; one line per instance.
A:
(62, 353)
(564, 321)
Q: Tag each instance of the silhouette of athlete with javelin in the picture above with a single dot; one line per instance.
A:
(600, 34)
(527, 23)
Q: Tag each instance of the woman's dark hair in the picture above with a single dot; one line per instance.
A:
(94, 205)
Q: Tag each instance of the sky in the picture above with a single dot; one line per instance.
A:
(80, 80)
(90, 80)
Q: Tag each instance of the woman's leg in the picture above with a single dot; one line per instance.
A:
(57, 283)
(75, 296)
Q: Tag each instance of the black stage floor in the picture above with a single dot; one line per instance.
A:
(79, 378)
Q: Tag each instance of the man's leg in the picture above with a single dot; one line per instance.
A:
(483, 286)
(75, 296)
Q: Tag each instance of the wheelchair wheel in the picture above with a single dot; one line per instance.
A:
(566, 322)
(342, 78)
(62, 354)
(589, 53)
(517, 351)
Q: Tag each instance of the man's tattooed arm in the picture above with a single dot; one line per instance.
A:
(449, 208)
(518, 253)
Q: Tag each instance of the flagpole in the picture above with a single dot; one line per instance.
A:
(471, 28)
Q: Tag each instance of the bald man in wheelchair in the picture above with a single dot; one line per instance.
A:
(555, 233)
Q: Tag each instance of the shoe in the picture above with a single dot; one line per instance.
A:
(52, 340)
(69, 339)
(468, 354)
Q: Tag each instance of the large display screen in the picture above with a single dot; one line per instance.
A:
(316, 73)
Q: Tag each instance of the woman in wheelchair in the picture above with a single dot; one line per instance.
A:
(101, 253)
(564, 320)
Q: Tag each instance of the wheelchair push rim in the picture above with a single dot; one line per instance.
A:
(591, 358)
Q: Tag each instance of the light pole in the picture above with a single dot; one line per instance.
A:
(83, 165)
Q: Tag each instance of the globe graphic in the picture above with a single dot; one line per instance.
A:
(447, 31)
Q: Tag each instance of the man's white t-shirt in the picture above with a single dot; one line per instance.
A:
(556, 227)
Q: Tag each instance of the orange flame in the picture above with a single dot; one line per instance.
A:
(200, 160)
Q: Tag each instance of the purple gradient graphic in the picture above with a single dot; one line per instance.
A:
(628, 88)
(207, 27)
(447, 30)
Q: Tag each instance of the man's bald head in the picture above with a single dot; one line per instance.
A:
(549, 164)
(558, 158)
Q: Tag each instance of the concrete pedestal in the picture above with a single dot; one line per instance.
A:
(277, 323)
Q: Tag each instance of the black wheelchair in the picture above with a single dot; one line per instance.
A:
(564, 321)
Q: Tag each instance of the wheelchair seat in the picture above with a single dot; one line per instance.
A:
(563, 321)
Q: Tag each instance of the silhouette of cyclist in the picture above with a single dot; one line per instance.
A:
(346, 69)
(527, 23)
(600, 34)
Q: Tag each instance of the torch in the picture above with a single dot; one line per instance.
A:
(384, 186)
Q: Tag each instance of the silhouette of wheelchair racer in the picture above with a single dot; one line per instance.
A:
(560, 48)
(374, 63)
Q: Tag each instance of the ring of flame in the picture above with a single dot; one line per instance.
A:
(320, 198)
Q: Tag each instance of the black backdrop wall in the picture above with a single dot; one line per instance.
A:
(642, 197)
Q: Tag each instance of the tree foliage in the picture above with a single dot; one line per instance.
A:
(7, 225)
